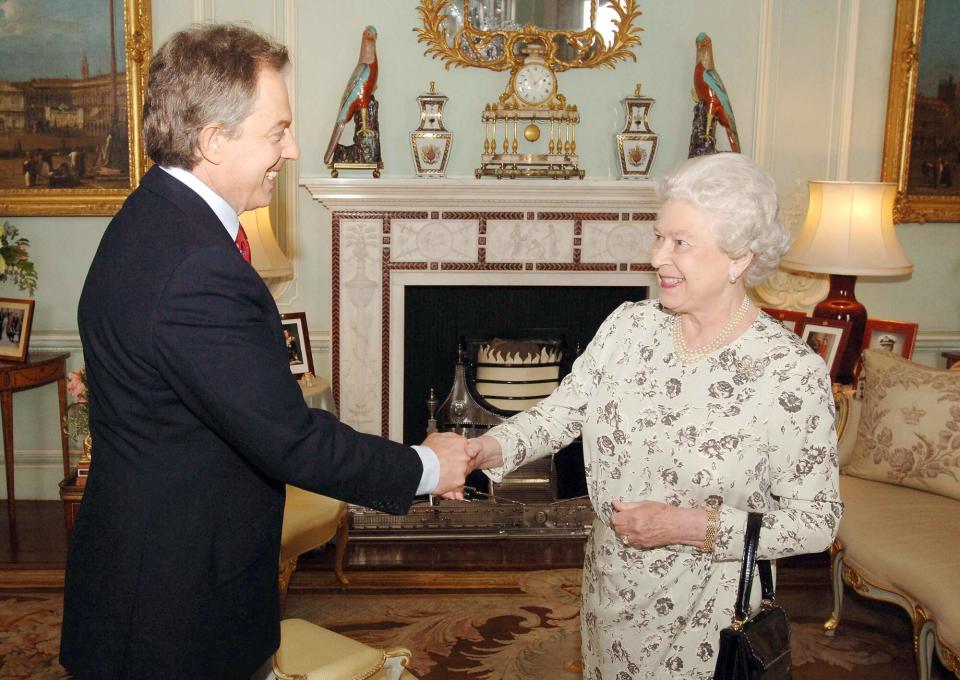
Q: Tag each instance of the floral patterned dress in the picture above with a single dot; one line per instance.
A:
(749, 428)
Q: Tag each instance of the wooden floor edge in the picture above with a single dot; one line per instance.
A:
(31, 579)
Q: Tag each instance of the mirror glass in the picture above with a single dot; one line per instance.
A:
(547, 15)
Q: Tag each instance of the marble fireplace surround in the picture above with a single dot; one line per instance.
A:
(391, 233)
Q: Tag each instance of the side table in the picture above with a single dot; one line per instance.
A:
(40, 368)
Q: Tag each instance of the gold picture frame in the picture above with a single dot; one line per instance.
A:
(64, 141)
(903, 161)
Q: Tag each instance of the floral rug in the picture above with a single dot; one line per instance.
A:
(502, 626)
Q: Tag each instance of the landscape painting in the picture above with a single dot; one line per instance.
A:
(922, 142)
(69, 104)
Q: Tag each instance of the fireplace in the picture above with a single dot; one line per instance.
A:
(391, 236)
(437, 318)
(418, 263)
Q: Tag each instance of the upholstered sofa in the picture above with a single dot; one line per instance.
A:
(899, 540)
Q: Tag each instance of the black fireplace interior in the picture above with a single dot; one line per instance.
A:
(438, 318)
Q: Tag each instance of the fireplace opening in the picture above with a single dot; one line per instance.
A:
(437, 319)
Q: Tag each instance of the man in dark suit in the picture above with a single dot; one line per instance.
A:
(196, 419)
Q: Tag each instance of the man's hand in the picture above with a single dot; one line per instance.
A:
(456, 462)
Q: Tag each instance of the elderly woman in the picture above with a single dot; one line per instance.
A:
(694, 410)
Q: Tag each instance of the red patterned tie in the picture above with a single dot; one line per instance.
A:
(243, 244)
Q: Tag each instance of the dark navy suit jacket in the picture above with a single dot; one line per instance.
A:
(197, 426)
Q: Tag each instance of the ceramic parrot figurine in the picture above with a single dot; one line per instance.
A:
(359, 88)
(710, 90)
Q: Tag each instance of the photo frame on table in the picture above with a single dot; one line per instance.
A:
(75, 77)
(919, 146)
(297, 340)
(790, 319)
(898, 337)
(827, 338)
(16, 319)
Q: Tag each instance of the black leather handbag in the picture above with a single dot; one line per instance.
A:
(756, 646)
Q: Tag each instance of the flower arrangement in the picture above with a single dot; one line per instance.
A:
(77, 425)
(17, 265)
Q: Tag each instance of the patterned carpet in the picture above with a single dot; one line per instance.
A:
(495, 626)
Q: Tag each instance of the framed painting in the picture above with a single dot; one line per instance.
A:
(892, 336)
(827, 338)
(788, 318)
(72, 82)
(296, 338)
(16, 318)
(921, 149)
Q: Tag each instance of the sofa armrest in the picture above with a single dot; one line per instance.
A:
(848, 419)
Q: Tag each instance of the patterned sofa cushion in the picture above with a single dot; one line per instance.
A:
(909, 430)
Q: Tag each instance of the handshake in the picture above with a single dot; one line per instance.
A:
(458, 457)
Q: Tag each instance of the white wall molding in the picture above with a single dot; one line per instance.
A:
(37, 475)
(844, 84)
(768, 71)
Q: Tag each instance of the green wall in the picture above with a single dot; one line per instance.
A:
(808, 82)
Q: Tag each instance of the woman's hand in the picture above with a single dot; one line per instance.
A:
(650, 524)
(488, 453)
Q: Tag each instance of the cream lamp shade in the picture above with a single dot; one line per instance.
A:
(268, 259)
(849, 230)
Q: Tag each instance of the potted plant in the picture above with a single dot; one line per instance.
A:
(17, 266)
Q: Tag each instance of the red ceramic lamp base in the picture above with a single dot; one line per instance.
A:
(842, 304)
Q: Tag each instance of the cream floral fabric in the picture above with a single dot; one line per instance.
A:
(909, 431)
(748, 427)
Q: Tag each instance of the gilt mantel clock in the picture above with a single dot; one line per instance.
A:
(512, 144)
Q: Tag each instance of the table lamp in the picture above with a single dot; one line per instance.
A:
(268, 259)
(848, 232)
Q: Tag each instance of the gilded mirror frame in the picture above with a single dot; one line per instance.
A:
(590, 48)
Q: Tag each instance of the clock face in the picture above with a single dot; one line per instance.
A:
(534, 83)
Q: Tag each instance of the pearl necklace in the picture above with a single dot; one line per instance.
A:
(691, 356)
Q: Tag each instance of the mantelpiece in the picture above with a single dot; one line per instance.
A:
(391, 233)
(361, 193)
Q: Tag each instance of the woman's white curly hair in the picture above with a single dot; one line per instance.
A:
(740, 198)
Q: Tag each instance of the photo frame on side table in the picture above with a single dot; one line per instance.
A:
(898, 337)
(72, 82)
(297, 340)
(790, 319)
(16, 319)
(827, 338)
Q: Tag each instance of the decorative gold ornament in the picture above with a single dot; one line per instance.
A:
(531, 97)
(501, 50)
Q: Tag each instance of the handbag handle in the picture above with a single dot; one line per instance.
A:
(750, 542)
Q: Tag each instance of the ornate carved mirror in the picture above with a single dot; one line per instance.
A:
(494, 34)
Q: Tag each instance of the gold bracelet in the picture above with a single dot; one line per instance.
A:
(711, 537)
